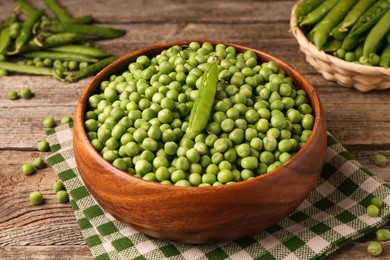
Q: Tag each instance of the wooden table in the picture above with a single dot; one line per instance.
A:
(360, 121)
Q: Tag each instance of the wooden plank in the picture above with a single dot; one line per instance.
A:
(63, 252)
(217, 11)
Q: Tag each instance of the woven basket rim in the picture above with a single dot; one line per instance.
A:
(349, 66)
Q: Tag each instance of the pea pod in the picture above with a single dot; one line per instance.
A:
(60, 13)
(5, 40)
(388, 37)
(338, 32)
(201, 110)
(355, 13)
(26, 69)
(332, 45)
(82, 50)
(89, 70)
(385, 57)
(322, 29)
(370, 17)
(5, 34)
(306, 7)
(377, 34)
(27, 28)
(50, 41)
(60, 56)
(84, 19)
(103, 32)
(318, 13)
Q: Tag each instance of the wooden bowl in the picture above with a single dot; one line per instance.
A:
(200, 214)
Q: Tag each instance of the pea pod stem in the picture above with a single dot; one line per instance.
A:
(102, 32)
(59, 12)
(201, 110)
(60, 56)
(81, 50)
(89, 70)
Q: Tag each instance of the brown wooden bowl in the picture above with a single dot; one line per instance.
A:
(201, 214)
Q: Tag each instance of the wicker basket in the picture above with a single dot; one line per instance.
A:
(363, 78)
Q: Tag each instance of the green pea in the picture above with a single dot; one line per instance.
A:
(209, 178)
(12, 95)
(377, 202)
(49, 122)
(58, 185)
(38, 163)
(27, 169)
(25, 92)
(43, 146)
(249, 163)
(225, 176)
(372, 211)
(62, 196)
(380, 160)
(36, 198)
(382, 234)
(374, 248)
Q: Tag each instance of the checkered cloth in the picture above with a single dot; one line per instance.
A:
(332, 215)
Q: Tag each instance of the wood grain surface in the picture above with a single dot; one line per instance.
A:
(360, 121)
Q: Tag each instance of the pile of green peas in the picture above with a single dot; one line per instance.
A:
(138, 121)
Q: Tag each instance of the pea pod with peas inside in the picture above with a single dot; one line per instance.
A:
(204, 102)
(27, 29)
(370, 17)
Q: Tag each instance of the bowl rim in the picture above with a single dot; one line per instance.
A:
(350, 66)
(125, 60)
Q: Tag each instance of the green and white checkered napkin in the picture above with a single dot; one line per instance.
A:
(333, 214)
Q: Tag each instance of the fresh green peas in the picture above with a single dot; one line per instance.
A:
(67, 119)
(28, 169)
(256, 119)
(62, 196)
(378, 202)
(38, 163)
(25, 92)
(57, 186)
(374, 248)
(380, 160)
(382, 234)
(372, 210)
(36, 198)
(49, 122)
(43, 146)
(12, 95)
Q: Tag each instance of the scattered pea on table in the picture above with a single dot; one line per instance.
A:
(36, 198)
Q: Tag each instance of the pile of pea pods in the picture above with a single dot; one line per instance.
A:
(354, 30)
(32, 42)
